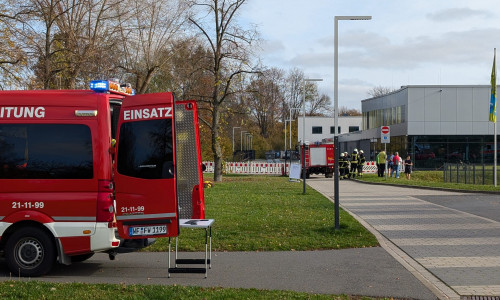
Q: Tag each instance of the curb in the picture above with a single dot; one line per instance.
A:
(429, 188)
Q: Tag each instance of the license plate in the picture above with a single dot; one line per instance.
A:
(147, 230)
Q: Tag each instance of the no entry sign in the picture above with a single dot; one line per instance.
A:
(385, 134)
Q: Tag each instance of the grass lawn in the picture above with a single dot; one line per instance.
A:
(55, 291)
(269, 213)
(429, 179)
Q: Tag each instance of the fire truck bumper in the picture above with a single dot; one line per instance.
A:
(104, 238)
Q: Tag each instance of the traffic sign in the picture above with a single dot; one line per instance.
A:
(385, 135)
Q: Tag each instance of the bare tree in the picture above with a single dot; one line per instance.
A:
(320, 106)
(265, 98)
(37, 30)
(344, 111)
(230, 51)
(293, 91)
(148, 30)
(378, 91)
(87, 31)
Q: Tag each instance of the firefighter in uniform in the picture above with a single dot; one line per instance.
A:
(342, 165)
(354, 163)
(346, 165)
(361, 163)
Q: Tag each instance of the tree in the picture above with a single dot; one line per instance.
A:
(148, 30)
(230, 51)
(378, 91)
(12, 57)
(264, 100)
(86, 36)
(320, 106)
(293, 92)
(344, 111)
(38, 30)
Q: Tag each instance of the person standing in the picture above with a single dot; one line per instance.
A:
(381, 158)
(354, 163)
(361, 163)
(395, 164)
(408, 167)
(342, 165)
(390, 164)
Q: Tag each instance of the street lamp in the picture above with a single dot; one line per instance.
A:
(304, 131)
(291, 108)
(336, 108)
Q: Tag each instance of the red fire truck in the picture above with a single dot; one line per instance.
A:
(319, 159)
(87, 171)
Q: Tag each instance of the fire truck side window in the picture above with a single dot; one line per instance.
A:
(45, 151)
(145, 149)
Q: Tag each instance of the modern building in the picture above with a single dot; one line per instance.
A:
(433, 124)
(319, 128)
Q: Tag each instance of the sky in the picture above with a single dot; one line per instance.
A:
(419, 42)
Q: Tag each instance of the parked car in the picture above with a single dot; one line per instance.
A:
(424, 154)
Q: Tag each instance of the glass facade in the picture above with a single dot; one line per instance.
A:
(384, 117)
(432, 151)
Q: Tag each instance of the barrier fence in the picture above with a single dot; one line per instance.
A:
(262, 168)
(468, 173)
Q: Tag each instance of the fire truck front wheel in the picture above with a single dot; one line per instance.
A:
(30, 251)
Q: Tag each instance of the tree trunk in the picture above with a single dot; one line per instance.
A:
(216, 148)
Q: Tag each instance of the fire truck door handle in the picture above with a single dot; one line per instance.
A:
(168, 170)
(148, 166)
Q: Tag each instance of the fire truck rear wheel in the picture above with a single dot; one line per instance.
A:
(30, 251)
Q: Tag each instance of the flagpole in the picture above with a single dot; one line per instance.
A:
(495, 154)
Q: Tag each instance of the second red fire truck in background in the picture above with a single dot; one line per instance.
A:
(319, 159)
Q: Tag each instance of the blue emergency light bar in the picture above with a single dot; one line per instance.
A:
(104, 86)
(99, 86)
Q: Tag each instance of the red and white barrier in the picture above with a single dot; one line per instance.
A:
(263, 168)
(370, 167)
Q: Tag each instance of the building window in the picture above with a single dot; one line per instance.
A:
(317, 130)
(332, 130)
(353, 128)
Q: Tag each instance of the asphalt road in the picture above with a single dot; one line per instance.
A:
(368, 272)
(483, 205)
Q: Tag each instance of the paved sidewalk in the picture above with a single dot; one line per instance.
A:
(454, 253)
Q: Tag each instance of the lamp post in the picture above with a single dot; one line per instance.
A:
(304, 131)
(285, 134)
(233, 140)
(336, 108)
(290, 119)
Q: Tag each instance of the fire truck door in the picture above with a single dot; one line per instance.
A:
(190, 194)
(145, 175)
